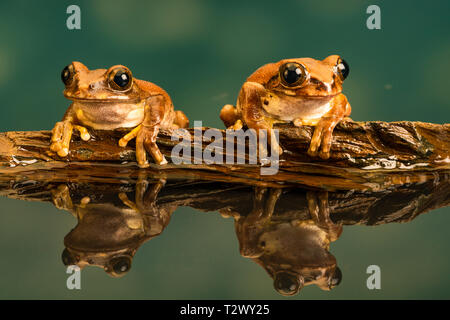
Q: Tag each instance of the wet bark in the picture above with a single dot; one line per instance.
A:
(396, 204)
(364, 155)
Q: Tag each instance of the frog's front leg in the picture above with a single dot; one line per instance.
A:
(147, 131)
(323, 133)
(250, 100)
(62, 133)
(61, 197)
(320, 213)
(263, 204)
(250, 228)
(146, 194)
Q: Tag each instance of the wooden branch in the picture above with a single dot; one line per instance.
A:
(364, 155)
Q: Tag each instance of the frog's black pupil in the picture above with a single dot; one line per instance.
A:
(344, 69)
(121, 79)
(286, 284)
(65, 74)
(292, 73)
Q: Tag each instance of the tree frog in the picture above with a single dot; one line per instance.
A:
(111, 227)
(111, 99)
(302, 91)
(294, 251)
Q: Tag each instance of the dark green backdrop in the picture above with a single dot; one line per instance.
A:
(201, 52)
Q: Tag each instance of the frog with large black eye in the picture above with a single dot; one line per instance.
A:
(109, 99)
(302, 91)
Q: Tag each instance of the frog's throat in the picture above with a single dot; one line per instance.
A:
(288, 108)
(109, 116)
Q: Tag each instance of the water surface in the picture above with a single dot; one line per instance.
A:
(183, 239)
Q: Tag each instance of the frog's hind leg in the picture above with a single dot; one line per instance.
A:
(348, 111)
(229, 115)
(230, 118)
(181, 121)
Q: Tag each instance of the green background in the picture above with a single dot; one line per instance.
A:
(201, 52)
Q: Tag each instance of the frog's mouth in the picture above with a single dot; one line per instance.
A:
(113, 99)
(293, 93)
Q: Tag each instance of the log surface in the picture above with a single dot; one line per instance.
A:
(364, 155)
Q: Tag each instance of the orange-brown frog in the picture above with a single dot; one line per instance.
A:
(303, 91)
(111, 99)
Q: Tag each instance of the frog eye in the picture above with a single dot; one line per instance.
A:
(67, 258)
(287, 284)
(343, 69)
(67, 74)
(119, 266)
(120, 79)
(292, 74)
(336, 278)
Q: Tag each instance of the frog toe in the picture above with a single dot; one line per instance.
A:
(84, 134)
(326, 143)
(163, 161)
(63, 152)
(324, 155)
(123, 143)
(141, 157)
(238, 125)
(314, 146)
(312, 153)
(156, 154)
(143, 165)
(55, 146)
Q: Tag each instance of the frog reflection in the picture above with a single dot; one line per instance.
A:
(294, 251)
(109, 231)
